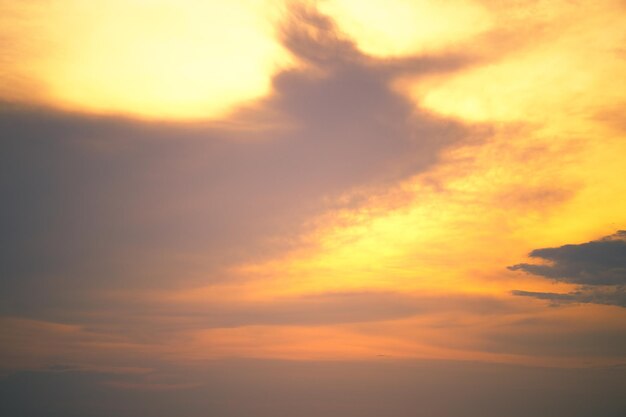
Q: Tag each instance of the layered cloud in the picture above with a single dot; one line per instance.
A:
(609, 295)
(335, 213)
(103, 202)
(598, 267)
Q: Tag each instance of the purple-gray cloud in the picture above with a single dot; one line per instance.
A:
(585, 294)
(107, 203)
(598, 267)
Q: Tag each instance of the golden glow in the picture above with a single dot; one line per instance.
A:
(550, 172)
(401, 27)
(155, 59)
(554, 77)
(545, 169)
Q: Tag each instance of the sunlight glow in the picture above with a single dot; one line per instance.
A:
(152, 59)
(404, 27)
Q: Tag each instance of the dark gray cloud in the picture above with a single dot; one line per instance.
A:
(93, 203)
(599, 262)
(606, 295)
(599, 267)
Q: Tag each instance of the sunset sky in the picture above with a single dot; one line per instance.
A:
(345, 208)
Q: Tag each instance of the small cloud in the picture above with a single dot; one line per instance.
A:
(598, 267)
(599, 262)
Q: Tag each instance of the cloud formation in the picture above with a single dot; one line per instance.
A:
(596, 295)
(598, 267)
(104, 202)
(355, 211)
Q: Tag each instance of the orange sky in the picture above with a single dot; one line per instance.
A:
(332, 180)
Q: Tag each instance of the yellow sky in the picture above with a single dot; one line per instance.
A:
(544, 91)
(151, 59)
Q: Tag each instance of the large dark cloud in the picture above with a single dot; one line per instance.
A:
(599, 267)
(104, 202)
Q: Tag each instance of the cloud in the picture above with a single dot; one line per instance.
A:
(599, 262)
(56, 347)
(151, 321)
(346, 307)
(598, 267)
(103, 202)
(605, 295)
(130, 336)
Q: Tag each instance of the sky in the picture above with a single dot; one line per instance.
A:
(303, 208)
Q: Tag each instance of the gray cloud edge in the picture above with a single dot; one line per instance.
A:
(597, 267)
